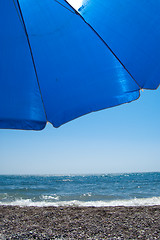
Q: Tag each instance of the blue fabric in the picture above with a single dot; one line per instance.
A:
(132, 31)
(20, 101)
(72, 72)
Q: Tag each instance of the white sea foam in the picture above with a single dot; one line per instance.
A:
(67, 180)
(87, 195)
(132, 202)
(3, 196)
(50, 197)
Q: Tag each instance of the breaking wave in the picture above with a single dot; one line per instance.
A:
(131, 202)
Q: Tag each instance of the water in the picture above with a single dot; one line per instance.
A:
(134, 189)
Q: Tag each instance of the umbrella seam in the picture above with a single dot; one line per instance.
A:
(65, 7)
(76, 12)
(18, 13)
(25, 30)
(113, 53)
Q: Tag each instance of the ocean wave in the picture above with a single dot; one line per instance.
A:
(50, 197)
(64, 180)
(131, 202)
(86, 195)
(3, 196)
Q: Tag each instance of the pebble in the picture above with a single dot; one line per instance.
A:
(69, 223)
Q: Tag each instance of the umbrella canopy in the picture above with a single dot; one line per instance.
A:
(58, 63)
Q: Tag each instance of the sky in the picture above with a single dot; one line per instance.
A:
(120, 139)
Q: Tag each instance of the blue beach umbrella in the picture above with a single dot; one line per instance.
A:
(58, 63)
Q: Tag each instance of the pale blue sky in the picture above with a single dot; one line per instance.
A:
(120, 139)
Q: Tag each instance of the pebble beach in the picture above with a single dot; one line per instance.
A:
(142, 222)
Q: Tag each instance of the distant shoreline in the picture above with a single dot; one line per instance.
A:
(141, 222)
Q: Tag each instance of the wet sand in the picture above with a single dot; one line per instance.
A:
(79, 222)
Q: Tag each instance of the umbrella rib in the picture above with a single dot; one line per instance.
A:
(20, 15)
(76, 12)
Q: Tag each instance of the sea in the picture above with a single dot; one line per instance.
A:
(125, 189)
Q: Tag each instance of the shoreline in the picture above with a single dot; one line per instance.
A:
(120, 222)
